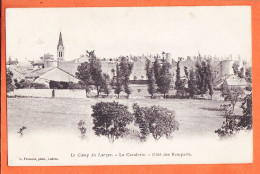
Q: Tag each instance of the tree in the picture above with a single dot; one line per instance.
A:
(241, 73)
(192, 84)
(204, 77)
(105, 84)
(233, 96)
(141, 120)
(9, 80)
(248, 74)
(150, 76)
(233, 123)
(178, 82)
(125, 68)
(235, 67)
(84, 75)
(164, 81)
(246, 120)
(111, 119)
(157, 70)
(155, 120)
(95, 71)
(118, 81)
(209, 79)
(186, 72)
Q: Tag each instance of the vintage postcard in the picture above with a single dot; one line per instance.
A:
(129, 85)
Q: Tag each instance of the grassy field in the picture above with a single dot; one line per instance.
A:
(196, 117)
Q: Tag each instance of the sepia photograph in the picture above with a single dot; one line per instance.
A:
(129, 85)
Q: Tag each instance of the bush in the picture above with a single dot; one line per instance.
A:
(28, 84)
(72, 85)
(156, 120)
(82, 128)
(234, 123)
(111, 119)
(9, 80)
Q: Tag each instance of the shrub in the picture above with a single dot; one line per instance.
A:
(233, 96)
(156, 120)
(72, 85)
(9, 80)
(28, 84)
(82, 128)
(111, 119)
(234, 123)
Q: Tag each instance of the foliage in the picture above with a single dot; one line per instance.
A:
(157, 70)
(118, 82)
(9, 80)
(246, 120)
(241, 73)
(150, 76)
(200, 73)
(82, 128)
(125, 68)
(192, 84)
(209, 79)
(156, 120)
(28, 84)
(233, 123)
(233, 96)
(38, 86)
(178, 82)
(95, 71)
(84, 75)
(165, 79)
(105, 84)
(72, 85)
(90, 73)
(204, 77)
(235, 67)
(111, 119)
(248, 74)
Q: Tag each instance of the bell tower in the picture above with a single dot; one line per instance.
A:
(60, 49)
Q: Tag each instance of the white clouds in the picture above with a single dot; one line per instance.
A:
(119, 31)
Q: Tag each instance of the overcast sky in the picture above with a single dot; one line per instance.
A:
(111, 32)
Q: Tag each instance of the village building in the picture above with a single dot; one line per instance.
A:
(47, 69)
(233, 82)
(56, 75)
(12, 62)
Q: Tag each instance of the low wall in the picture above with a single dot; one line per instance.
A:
(31, 93)
(48, 93)
(138, 91)
(69, 93)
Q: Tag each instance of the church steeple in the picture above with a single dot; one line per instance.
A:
(60, 40)
(60, 49)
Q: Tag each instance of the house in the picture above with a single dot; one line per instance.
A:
(56, 75)
(233, 82)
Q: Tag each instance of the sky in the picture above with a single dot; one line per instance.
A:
(115, 31)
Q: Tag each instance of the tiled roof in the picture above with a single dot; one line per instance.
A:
(236, 81)
(37, 73)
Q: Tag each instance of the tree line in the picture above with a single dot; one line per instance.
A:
(90, 74)
(196, 81)
(159, 79)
